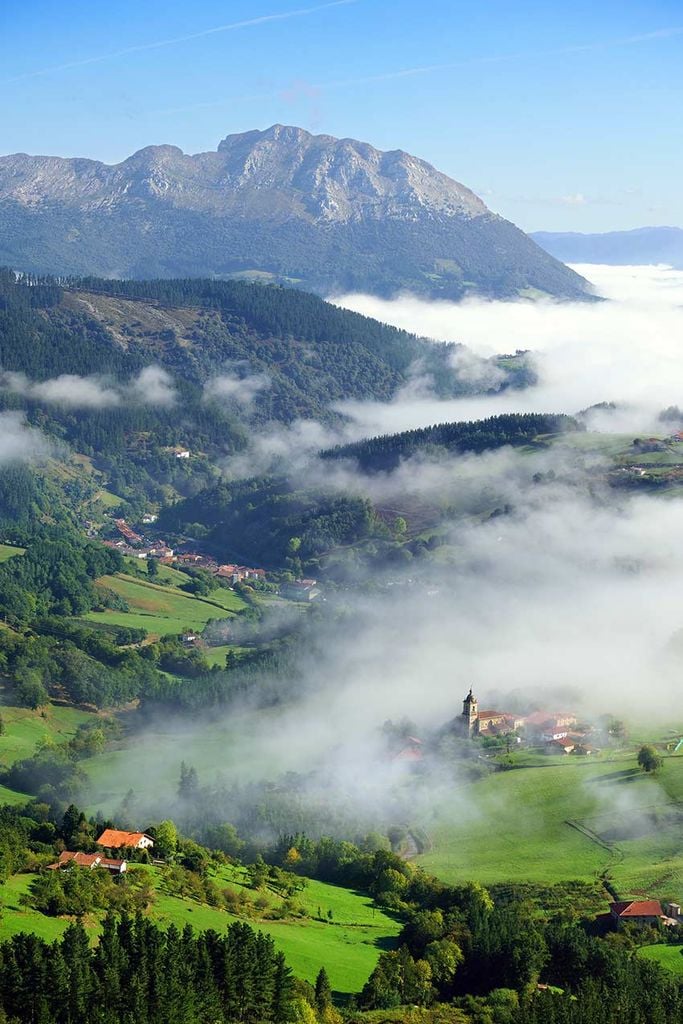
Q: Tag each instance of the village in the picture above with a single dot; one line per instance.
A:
(558, 732)
(135, 545)
(553, 732)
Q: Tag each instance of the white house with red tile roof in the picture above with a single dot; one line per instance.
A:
(68, 858)
(115, 839)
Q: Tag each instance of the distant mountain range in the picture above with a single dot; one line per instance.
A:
(618, 248)
(329, 215)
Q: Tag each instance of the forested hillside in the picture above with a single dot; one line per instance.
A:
(126, 373)
(382, 453)
(280, 523)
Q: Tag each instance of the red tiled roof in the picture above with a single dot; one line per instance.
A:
(114, 838)
(637, 908)
(84, 860)
(111, 862)
(408, 754)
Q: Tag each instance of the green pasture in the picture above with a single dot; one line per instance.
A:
(669, 957)
(162, 609)
(25, 729)
(217, 655)
(611, 445)
(15, 918)
(10, 551)
(515, 826)
(106, 499)
(12, 796)
(348, 945)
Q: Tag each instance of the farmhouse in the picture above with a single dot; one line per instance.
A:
(300, 590)
(550, 725)
(114, 839)
(565, 745)
(68, 858)
(238, 573)
(160, 550)
(644, 912)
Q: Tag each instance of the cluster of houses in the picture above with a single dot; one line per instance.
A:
(111, 839)
(558, 731)
(133, 544)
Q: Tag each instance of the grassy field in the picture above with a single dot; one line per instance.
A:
(669, 957)
(106, 499)
(16, 918)
(515, 826)
(216, 747)
(217, 655)
(348, 946)
(12, 796)
(25, 729)
(9, 551)
(161, 609)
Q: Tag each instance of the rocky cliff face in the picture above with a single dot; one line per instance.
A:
(321, 212)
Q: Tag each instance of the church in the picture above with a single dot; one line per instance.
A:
(473, 722)
(554, 728)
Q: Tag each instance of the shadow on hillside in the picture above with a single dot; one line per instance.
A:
(617, 778)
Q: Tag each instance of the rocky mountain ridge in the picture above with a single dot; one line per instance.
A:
(327, 214)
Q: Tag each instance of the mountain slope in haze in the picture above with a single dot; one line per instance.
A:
(230, 357)
(330, 215)
(616, 248)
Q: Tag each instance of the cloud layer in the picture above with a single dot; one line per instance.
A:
(626, 350)
(18, 441)
(152, 386)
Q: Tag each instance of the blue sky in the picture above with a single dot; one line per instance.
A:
(562, 115)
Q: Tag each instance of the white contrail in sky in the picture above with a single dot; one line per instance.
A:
(424, 69)
(143, 47)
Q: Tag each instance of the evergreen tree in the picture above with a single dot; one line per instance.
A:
(323, 991)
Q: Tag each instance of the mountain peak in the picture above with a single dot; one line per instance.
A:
(344, 179)
(328, 214)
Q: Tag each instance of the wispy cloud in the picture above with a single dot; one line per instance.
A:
(290, 91)
(152, 386)
(157, 44)
(574, 199)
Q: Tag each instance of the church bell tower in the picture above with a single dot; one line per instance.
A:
(470, 714)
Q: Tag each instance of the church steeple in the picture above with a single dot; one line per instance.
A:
(470, 714)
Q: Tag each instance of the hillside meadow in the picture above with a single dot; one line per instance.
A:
(163, 609)
(25, 728)
(575, 819)
(9, 551)
(669, 957)
(347, 944)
